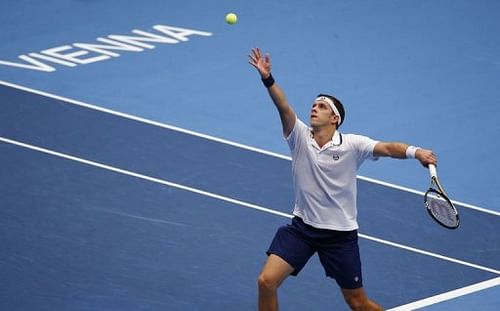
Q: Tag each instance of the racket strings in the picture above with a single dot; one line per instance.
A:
(442, 210)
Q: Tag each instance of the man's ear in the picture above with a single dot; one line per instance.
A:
(335, 118)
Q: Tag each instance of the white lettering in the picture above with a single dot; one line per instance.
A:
(180, 33)
(73, 56)
(52, 59)
(35, 65)
(148, 37)
(114, 45)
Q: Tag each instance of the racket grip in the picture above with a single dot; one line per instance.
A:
(432, 170)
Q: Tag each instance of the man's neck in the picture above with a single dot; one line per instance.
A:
(323, 135)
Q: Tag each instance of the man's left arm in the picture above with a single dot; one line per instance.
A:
(404, 151)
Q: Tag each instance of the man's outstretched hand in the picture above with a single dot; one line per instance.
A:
(261, 62)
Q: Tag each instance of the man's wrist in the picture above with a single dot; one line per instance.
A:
(269, 81)
(411, 151)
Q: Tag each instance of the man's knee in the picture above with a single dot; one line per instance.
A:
(267, 283)
(275, 271)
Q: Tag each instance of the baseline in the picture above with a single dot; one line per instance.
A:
(448, 295)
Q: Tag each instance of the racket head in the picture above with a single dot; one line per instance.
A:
(441, 209)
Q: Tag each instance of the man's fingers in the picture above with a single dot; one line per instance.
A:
(257, 52)
(427, 157)
(253, 59)
(259, 61)
(253, 64)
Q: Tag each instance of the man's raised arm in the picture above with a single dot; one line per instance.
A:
(263, 65)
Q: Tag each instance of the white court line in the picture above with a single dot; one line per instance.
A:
(416, 250)
(383, 183)
(141, 176)
(216, 139)
(448, 295)
(227, 199)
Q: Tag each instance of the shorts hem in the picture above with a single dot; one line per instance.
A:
(344, 286)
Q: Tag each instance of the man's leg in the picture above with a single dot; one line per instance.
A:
(275, 271)
(358, 301)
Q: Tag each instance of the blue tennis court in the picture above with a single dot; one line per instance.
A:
(153, 175)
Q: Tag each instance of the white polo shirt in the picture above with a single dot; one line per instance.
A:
(324, 178)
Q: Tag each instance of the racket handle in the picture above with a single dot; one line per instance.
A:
(432, 170)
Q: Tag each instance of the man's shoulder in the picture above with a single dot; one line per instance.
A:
(301, 126)
(357, 139)
(353, 137)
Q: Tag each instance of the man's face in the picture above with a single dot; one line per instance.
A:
(322, 115)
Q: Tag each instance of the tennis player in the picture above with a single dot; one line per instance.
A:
(324, 167)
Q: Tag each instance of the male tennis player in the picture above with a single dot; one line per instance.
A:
(324, 167)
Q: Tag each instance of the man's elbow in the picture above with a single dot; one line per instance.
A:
(382, 150)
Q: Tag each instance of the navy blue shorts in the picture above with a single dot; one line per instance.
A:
(337, 250)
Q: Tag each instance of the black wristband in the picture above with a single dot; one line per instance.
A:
(269, 81)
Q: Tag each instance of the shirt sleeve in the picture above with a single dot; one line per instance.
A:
(297, 135)
(364, 148)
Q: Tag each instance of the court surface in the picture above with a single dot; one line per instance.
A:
(153, 176)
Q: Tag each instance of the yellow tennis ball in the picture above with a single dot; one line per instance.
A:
(231, 18)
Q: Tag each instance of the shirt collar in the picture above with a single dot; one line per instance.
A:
(337, 138)
(335, 142)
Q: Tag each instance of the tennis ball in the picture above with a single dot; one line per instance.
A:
(231, 18)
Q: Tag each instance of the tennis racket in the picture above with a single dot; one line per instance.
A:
(438, 204)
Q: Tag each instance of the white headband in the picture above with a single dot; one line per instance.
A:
(331, 104)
